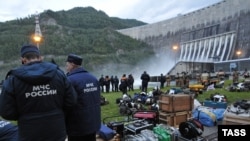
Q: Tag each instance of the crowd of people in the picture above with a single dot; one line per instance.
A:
(217, 78)
(114, 84)
(124, 84)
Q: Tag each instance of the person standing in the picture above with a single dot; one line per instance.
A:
(181, 79)
(162, 81)
(101, 82)
(221, 75)
(246, 74)
(177, 80)
(235, 76)
(123, 84)
(112, 83)
(145, 79)
(187, 79)
(198, 78)
(168, 79)
(37, 95)
(130, 82)
(116, 82)
(85, 120)
(107, 83)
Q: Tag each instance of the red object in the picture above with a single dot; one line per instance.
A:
(150, 116)
(145, 115)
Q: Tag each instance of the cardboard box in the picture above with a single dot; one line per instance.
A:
(236, 119)
(176, 103)
(174, 119)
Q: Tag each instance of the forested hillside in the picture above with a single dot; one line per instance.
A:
(81, 30)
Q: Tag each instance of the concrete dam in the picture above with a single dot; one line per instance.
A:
(211, 38)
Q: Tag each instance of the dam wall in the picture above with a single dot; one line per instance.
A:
(187, 30)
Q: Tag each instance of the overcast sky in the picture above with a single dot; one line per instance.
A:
(149, 11)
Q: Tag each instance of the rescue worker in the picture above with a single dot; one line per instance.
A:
(198, 78)
(162, 81)
(186, 79)
(112, 83)
(205, 78)
(116, 83)
(107, 82)
(37, 95)
(168, 79)
(235, 76)
(101, 82)
(246, 74)
(123, 84)
(181, 79)
(221, 75)
(177, 82)
(84, 121)
(130, 82)
(145, 79)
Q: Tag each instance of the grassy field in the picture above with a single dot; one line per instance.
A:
(112, 108)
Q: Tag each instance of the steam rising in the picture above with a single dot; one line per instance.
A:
(154, 66)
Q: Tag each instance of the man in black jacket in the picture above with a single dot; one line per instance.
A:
(101, 82)
(130, 82)
(145, 79)
(37, 95)
(162, 81)
(116, 82)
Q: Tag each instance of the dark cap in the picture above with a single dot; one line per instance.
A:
(74, 59)
(29, 48)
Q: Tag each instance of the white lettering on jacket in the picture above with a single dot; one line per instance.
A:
(90, 87)
(41, 90)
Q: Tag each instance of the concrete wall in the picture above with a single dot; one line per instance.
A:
(222, 17)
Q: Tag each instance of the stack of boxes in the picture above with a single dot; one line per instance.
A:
(174, 109)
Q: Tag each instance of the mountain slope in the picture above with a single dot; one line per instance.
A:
(84, 31)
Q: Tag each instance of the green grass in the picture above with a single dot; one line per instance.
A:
(112, 108)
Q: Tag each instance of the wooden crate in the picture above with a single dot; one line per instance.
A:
(176, 103)
(234, 119)
(174, 119)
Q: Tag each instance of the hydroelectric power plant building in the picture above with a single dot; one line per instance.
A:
(213, 38)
